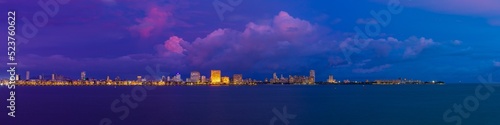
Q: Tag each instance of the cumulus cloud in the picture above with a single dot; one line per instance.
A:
(417, 46)
(173, 45)
(285, 42)
(268, 44)
(157, 18)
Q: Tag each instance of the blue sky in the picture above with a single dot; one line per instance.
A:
(443, 40)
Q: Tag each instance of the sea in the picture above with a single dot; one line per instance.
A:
(451, 104)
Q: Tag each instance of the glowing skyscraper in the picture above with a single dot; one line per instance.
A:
(215, 76)
(83, 75)
(27, 75)
(195, 77)
(312, 77)
(225, 80)
(238, 79)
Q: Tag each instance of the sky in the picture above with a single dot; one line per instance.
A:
(447, 40)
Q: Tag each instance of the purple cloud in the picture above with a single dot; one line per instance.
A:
(157, 18)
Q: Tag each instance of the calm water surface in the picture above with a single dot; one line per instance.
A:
(250, 105)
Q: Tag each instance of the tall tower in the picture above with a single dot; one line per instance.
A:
(177, 78)
(83, 75)
(331, 79)
(27, 75)
(312, 77)
(215, 76)
(238, 79)
(203, 79)
(139, 78)
(195, 77)
(53, 77)
(275, 78)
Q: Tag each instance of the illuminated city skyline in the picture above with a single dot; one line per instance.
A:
(196, 78)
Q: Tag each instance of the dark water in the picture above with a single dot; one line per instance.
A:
(251, 105)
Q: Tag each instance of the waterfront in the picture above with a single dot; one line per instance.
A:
(253, 105)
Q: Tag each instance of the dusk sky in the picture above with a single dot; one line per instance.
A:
(447, 40)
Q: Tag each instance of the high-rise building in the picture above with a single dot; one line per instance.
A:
(215, 76)
(225, 80)
(139, 78)
(312, 77)
(107, 78)
(177, 78)
(17, 77)
(40, 77)
(27, 75)
(331, 79)
(203, 79)
(53, 77)
(83, 75)
(195, 77)
(275, 78)
(238, 79)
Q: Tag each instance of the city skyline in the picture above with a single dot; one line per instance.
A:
(215, 77)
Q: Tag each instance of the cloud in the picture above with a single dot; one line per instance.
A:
(284, 43)
(495, 22)
(259, 45)
(372, 69)
(156, 19)
(417, 46)
(173, 45)
(457, 42)
(496, 63)
(489, 9)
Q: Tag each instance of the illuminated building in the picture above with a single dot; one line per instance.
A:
(139, 78)
(168, 78)
(275, 78)
(82, 75)
(195, 77)
(331, 79)
(40, 77)
(107, 78)
(53, 77)
(238, 79)
(27, 75)
(215, 76)
(225, 80)
(177, 78)
(203, 79)
(312, 78)
(17, 77)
